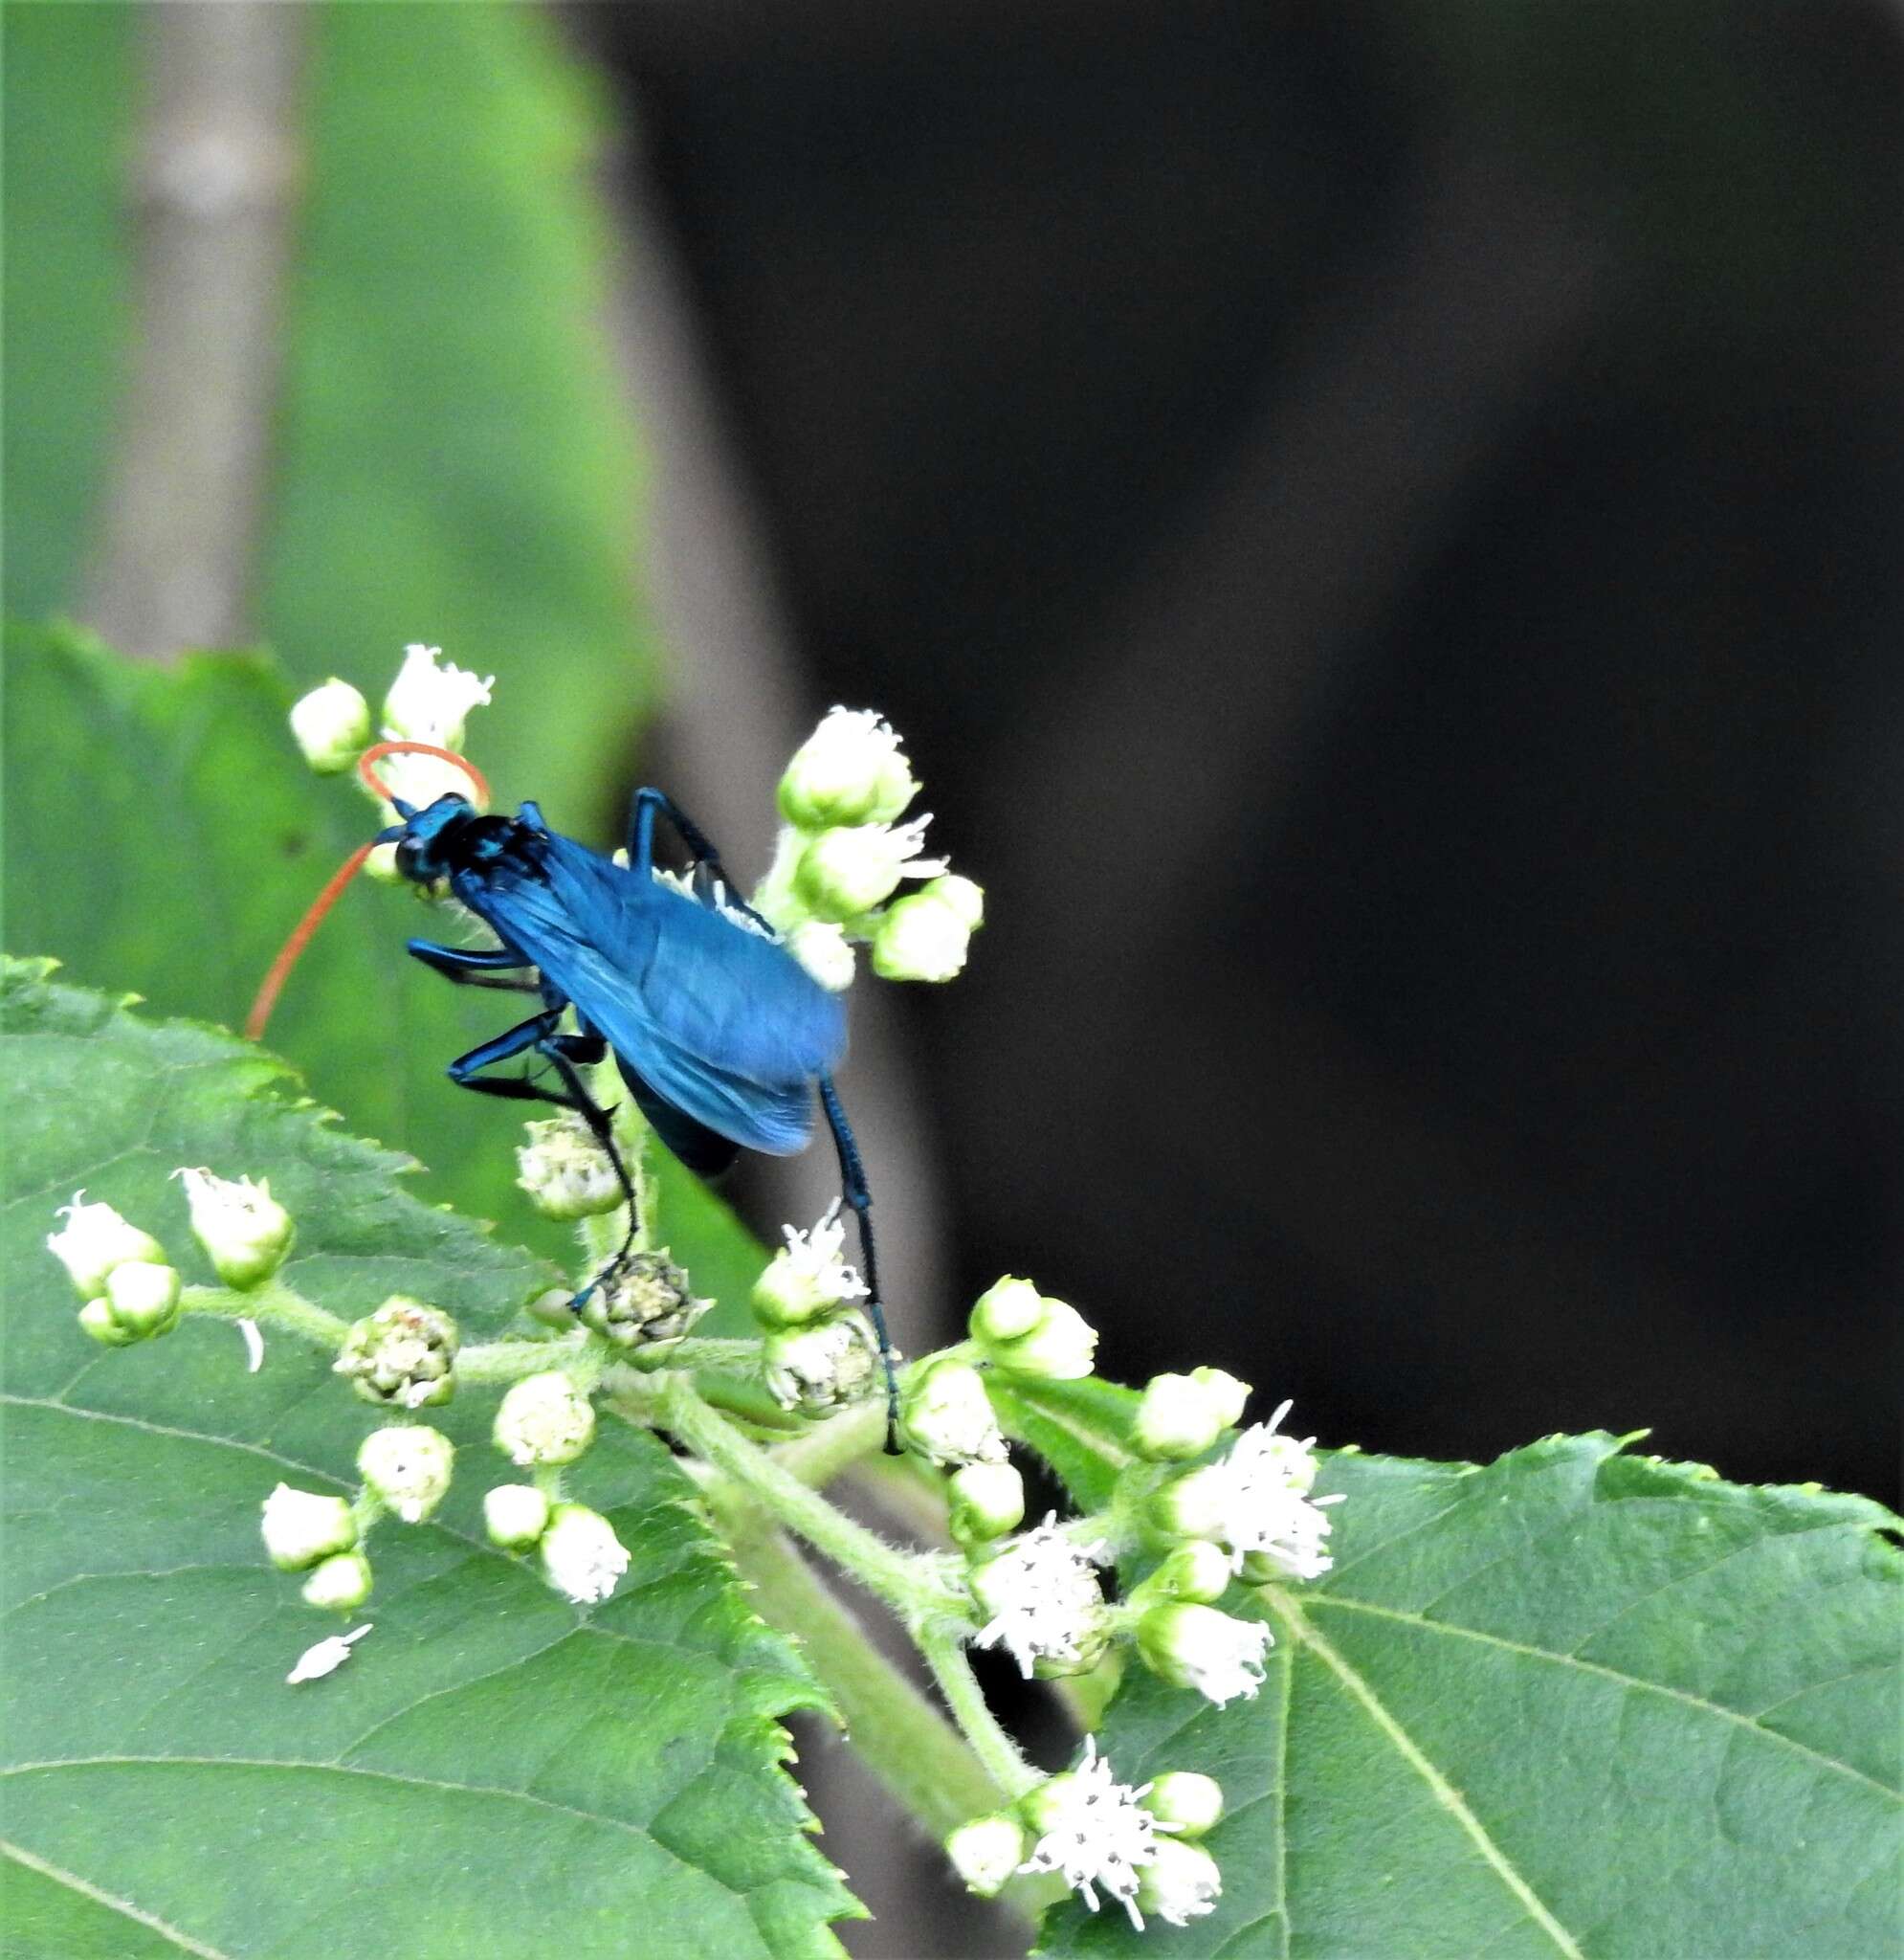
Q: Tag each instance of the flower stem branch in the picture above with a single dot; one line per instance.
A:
(274, 1304)
(945, 1655)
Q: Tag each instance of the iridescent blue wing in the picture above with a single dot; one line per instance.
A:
(720, 1023)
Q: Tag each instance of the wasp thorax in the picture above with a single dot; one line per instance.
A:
(646, 1302)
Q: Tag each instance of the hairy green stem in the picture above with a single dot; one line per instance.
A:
(945, 1655)
(508, 1361)
(912, 1586)
(903, 1737)
(274, 1304)
(819, 1455)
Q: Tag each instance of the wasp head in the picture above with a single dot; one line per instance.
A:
(426, 839)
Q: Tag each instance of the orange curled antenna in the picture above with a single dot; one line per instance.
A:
(288, 954)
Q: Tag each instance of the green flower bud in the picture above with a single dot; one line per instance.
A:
(544, 1419)
(408, 1468)
(341, 1583)
(987, 1499)
(1192, 1803)
(331, 726)
(143, 1298)
(96, 1318)
(1229, 1394)
(966, 899)
(1181, 1883)
(987, 1852)
(582, 1557)
(947, 1416)
(553, 1308)
(1197, 1647)
(921, 937)
(1195, 1571)
(567, 1173)
(845, 872)
(647, 1303)
(514, 1515)
(93, 1241)
(1059, 1348)
(405, 1354)
(1006, 1310)
(244, 1230)
(1177, 1416)
(850, 771)
(302, 1526)
(820, 1369)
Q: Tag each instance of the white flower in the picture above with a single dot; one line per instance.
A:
(922, 936)
(409, 1467)
(849, 869)
(1094, 1832)
(948, 1418)
(987, 1852)
(1176, 1418)
(1180, 1883)
(1046, 1607)
(566, 1171)
(1183, 1802)
(808, 1276)
(143, 1298)
(514, 1515)
(331, 726)
(1059, 1348)
(1006, 1309)
(405, 1352)
(428, 703)
(581, 1556)
(302, 1526)
(821, 1368)
(821, 948)
(544, 1419)
(1255, 1503)
(340, 1583)
(93, 1241)
(327, 1656)
(244, 1230)
(1194, 1646)
(850, 771)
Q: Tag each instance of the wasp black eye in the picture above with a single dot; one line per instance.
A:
(410, 859)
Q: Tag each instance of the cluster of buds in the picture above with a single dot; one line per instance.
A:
(130, 1292)
(1021, 1332)
(819, 1353)
(404, 1354)
(1136, 1844)
(845, 854)
(577, 1548)
(426, 703)
(565, 1170)
(307, 1531)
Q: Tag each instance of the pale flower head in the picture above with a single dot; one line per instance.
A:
(302, 1526)
(244, 1230)
(1180, 1883)
(1255, 1503)
(95, 1239)
(431, 703)
(922, 937)
(565, 1170)
(823, 950)
(809, 1275)
(850, 771)
(331, 726)
(1094, 1832)
(582, 1557)
(1043, 1601)
(1193, 1646)
(823, 1366)
(544, 1419)
(846, 871)
(409, 1468)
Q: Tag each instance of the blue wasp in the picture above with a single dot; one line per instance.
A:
(721, 1036)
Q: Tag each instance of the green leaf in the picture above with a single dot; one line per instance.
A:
(493, 1771)
(1575, 1703)
(1081, 1429)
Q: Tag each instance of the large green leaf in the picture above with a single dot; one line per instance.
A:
(493, 1771)
(1575, 1703)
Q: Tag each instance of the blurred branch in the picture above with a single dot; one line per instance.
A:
(216, 180)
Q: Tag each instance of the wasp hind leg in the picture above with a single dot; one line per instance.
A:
(561, 1052)
(859, 1201)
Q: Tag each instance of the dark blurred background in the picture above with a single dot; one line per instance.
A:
(1379, 525)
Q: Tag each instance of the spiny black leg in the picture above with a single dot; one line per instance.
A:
(648, 804)
(853, 1181)
(468, 969)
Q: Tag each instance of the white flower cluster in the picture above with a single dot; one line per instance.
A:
(844, 852)
(580, 1554)
(1131, 1842)
(819, 1353)
(1042, 1601)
